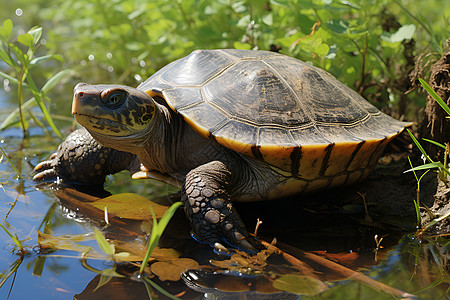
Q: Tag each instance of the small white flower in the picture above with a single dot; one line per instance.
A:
(423, 158)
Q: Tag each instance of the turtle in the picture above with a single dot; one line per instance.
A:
(225, 125)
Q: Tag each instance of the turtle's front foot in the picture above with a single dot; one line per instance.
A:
(210, 211)
(81, 160)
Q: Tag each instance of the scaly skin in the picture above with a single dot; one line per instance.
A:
(207, 204)
(80, 159)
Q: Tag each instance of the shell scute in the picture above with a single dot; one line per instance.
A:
(251, 91)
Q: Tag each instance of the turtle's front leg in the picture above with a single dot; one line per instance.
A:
(80, 159)
(207, 204)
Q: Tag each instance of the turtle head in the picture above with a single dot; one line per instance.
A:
(112, 110)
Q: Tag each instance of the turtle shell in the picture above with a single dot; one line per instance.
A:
(269, 106)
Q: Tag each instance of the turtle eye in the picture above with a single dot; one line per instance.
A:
(115, 99)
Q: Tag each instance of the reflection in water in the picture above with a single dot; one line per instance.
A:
(312, 224)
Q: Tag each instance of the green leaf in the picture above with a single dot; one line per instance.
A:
(406, 32)
(417, 208)
(434, 143)
(10, 118)
(157, 287)
(14, 238)
(39, 266)
(101, 241)
(433, 165)
(37, 60)
(300, 285)
(130, 206)
(26, 39)
(157, 231)
(416, 142)
(36, 33)
(268, 19)
(6, 29)
(338, 26)
(11, 79)
(104, 279)
(167, 216)
(433, 94)
(6, 57)
(38, 96)
(54, 80)
(23, 58)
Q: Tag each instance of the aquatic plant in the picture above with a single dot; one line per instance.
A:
(3, 155)
(19, 55)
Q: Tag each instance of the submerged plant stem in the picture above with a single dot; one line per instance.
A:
(20, 96)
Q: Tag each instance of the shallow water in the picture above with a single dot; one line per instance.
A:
(403, 263)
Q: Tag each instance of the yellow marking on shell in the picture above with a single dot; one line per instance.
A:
(278, 155)
(312, 157)
(200, 129)
(340, 157)
(152, 93)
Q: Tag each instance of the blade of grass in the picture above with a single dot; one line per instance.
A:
(433, 222)
(157, 231)
(10, 162)
(15, 266)
(160, 289)
(433, 165)
(52, 82)
(434, 143)
(435, 96)
(151, 243)
(39, 266)
(13, 237)
(416, 142)
(9, 119)
(47, 220)
(38, 96)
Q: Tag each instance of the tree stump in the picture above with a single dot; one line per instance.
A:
(436, 127)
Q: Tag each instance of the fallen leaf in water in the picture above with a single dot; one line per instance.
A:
(300, 285)
(241, 259)
(65, 242)
(70, 242)
(172, 269)
(130, 206)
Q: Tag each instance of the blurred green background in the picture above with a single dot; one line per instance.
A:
(370, 45)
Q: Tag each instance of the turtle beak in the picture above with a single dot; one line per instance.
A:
(77, 95)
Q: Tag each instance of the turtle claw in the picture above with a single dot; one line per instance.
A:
(46, 164)
(45, 170)
(45, 175)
